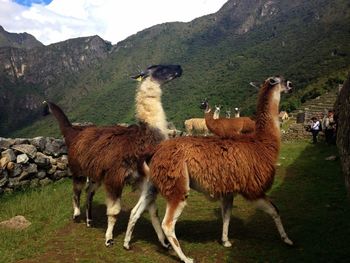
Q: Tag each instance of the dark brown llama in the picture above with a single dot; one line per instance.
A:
(220, 168)
(109, 155)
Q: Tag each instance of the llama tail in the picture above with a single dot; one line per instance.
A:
(145, 158)
(62, 119)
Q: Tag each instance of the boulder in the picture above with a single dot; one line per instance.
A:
(9, 153)
(4, 179)
(18, 222)
(28, 149)
(41, 174)
(39, 143)
(4, 161)
(42, 160)
(22, 158)
(6, 143)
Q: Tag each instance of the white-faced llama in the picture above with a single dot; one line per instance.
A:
(109, 155)
(218, 167)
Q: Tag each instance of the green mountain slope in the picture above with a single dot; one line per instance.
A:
(220, 54)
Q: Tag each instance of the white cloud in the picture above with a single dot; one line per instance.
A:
(112, 20)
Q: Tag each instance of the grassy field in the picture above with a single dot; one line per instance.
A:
(308, 191)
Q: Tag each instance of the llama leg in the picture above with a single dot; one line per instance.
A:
(113, 209)
(267, 206)
(226, 209)
(90, 192)
(173, 211)
(153, 211)
(78, 185)
(146, 200)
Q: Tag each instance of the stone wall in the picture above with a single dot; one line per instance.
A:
(342, 116)
(31, 162)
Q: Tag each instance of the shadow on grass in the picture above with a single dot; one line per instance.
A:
(314, 209)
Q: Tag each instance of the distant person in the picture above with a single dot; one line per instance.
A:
(329, 126)
(315, 128)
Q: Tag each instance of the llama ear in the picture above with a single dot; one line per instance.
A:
(138, 77)
(274, 80)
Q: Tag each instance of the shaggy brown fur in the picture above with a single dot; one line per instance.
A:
(221, 167)
(109, 155)
(225, 127)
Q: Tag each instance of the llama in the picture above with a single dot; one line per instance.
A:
(220, 168)
(108, 155)
(224, 127)
(196, 125)
(237, 113)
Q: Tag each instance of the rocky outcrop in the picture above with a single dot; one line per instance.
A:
(21, 40)
(31, 162)
(342, 117)
(28, 76)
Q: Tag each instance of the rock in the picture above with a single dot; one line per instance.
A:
(52, 169)
(41, 174)
(28, 149)
(59, 174)
(24, 184)
(53, 161)
(17, 170)
(18, 222)
(9, 153)
(53, 147)
(45, 181)
(42, 160)
(39, 143)
(6, 143)
(61, 166)
(32, 168)
(34, 183)
(10, 166)
(22, 158)
(19, 141)
(13, 183)
(3, 179)
(24, 175)
(4, 161)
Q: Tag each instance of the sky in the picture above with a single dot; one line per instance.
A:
(113, 20)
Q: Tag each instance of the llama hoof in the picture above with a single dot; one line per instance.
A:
(166, 245)
(76, 218)
(109, 243)
(189, 260)
(227, 243)
(89, 223)
(288, 241)
(126, 246)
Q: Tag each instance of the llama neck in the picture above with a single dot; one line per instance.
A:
(267, 124)
(149, 107)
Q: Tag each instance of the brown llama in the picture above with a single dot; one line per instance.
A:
(225, 127)
(109, 155)
(220, 168)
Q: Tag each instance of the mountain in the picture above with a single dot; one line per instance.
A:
(28, 76)
(306, 41)
(22, 40)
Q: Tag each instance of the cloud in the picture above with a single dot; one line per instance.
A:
(110, 19)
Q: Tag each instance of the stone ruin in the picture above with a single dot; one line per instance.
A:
(31, 162)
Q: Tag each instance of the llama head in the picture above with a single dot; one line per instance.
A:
(205, 105)
(279, 83)
(160, 73)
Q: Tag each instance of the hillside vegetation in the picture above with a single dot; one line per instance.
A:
(306, 41)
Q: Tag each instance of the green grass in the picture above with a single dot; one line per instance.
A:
(308, 191)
